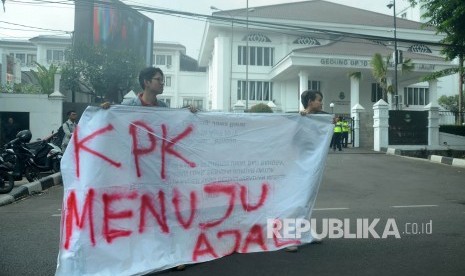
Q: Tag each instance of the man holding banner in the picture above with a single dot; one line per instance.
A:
(312, 102)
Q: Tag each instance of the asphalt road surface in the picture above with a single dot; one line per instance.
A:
(421, 197)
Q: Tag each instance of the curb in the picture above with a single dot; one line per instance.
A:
(456, 162)
(31, 188)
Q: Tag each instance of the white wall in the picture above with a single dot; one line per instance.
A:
(193, 85)
(44, 113)
(451, 140)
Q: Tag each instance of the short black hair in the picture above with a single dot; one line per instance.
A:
(309, 95)
(69, 112)
(147, 74)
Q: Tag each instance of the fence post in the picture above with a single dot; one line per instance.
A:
(433, 124)
(239, 107)
(356, 110)
(380, 125)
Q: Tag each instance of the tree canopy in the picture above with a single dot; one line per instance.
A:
(46, 77)
(108, 73)
(380, 69)
(448, 17)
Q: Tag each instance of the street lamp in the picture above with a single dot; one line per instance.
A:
(231, 54)
(396, 61)
(332, 107)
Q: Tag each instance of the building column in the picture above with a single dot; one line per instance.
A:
(356, 110)
(433, 124)
(380, 125)
(303, 85)
(56, 103)
(354, 91)
(220, 75)
(433, 92)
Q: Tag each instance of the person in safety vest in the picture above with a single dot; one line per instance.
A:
(345, 132)
(337, 134)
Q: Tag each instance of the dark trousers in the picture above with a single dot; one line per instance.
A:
(345, 138)
(337, 140)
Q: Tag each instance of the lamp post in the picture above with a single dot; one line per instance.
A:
(332, 107)
(231, 53)
(396, 56)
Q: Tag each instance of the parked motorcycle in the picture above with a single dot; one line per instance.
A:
(47, 155)
(16, 152)
(7, 181)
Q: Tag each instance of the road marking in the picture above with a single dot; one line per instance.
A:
(329, 209)
(56, 215)
(414, 206)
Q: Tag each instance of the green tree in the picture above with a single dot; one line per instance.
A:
(45, 77)
(448, 16)
(449, 102)
(107, 73)
(380, 70)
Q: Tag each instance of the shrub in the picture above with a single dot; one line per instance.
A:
(260, 108)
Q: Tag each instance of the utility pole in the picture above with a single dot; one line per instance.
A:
(247, 59)
(396, 54)
(73, 83)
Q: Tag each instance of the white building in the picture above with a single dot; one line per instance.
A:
(185, 82)
(314, 45)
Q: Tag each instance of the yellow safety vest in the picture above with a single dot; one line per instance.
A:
(345, 126)
(338, 127)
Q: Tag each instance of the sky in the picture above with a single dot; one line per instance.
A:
(23, 18)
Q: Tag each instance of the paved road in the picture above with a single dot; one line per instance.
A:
(356, 185)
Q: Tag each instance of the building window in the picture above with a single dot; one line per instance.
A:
(258, 56)
(22, 58)
(305, 40)
(258, 90)
(314, 85)
(196, 102)
(167, 81)
(166, 101)
(163, 60)
(376, 92)
(55, 56)
(416, 96)
(31, 59)
(25, 59)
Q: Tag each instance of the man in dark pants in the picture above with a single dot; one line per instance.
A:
(337, 134)
(9, 130)
(345, 133)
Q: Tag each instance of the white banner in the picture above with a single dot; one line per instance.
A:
(147, 189)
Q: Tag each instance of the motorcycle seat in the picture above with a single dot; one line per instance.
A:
(35, 146)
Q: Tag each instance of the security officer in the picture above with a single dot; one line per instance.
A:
(345, 132)
(337, 134)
